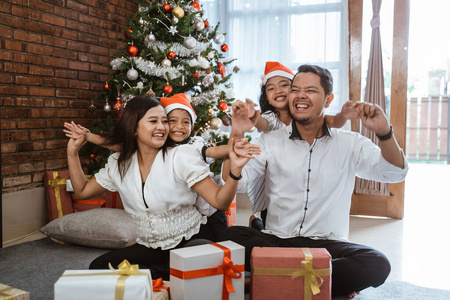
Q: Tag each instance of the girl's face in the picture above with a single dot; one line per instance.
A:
(153, 129)
(180, 125)
(277, 91)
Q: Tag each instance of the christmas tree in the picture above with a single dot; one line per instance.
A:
(170, 48)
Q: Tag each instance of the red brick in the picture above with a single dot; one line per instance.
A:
(55, 123)
(9, 170)
(39, 49)
(16, 180)
(13, 90)
(54, 62)
(27, 37)
(88, 94)
(53, 41)
(100, 69)
(88, 76)
(28, 80)
(8, 148)
(7, 101)
(26, 13)
(88, 57)
(75, 5)
(14, 113)
(39, 178)
(39, 5)
(30, 101)
(66, 34)
(5, 8)
(77, 46)
(66, 13)
(81, 85)
(28, 59)
(76, 65)
(66, 74)
(66, 93)
(42, 113)
(52, 102)
(75, 25)
(31, 167)
(99, 31)
(13, 22)
(50, 145)
(99, 50)
(42, 134)
(65, 54)
(98, 13)
(56, 164)
(30, 146)
(15, 68)
(6, 55)
(14, 135)
(41, 71)
(40, 91)
(56, 82)
(56, 2)
(88, 38)
(5, 78)
(15, 46)
(6, 32)
(8, 124)
(67, 114)
(53, 20)
(26, 124)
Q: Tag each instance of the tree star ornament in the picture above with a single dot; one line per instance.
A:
(173, 30)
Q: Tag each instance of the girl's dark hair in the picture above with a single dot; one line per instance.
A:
(124, 133)
(326, 80)
(264, 103)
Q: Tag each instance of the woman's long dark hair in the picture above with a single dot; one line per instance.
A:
(124, 133)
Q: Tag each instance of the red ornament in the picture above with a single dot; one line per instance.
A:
(221, 69)
(222, 106)
(195, 5)
(118, 106)
(132, 50)
(129, 30)
(106, 86)
(167, 89)
(171, 55)
(92, 156)
(208, 71)
(206, 23)
(196, 75)
(224, 48)
(167, 7)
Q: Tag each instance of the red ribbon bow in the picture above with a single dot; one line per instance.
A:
(158, 284)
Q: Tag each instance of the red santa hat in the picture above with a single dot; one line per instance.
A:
(273, 69)
(178, 101)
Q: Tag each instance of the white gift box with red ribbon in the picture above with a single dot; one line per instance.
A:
(212, 271)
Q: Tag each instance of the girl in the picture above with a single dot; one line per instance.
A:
(158, 184)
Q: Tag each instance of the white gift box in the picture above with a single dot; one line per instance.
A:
(101, 285)
(209, 261)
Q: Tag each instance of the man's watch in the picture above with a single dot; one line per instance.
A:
(387, 136)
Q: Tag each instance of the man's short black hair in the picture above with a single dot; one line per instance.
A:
(326, 80)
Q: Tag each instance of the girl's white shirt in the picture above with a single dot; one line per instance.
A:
(171, 214)
(274, 121)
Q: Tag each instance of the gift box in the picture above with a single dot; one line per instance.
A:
(10, 293)
(210, 271)
(59, 201)
(231, 213)
(290, 273)
(161, 289)
(126, 283)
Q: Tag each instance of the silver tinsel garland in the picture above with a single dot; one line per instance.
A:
(177, 48)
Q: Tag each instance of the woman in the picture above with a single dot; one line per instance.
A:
(158, 185)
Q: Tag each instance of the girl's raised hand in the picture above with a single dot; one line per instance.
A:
(243, 148)
(73, 130)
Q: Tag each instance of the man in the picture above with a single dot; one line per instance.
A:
(310, 172)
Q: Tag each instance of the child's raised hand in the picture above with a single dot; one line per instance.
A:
(74, 131)
(243, 148)
(349, 110)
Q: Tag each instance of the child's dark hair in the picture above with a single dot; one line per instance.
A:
(326, 80)
(264, 103)
(124, 133)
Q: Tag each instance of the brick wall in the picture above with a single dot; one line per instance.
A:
(51, 56)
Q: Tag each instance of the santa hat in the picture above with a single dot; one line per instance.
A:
(178, 101)
(273, 69)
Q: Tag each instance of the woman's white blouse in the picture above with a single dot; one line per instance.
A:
(171, 214)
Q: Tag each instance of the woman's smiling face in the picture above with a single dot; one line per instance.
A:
(153, 129)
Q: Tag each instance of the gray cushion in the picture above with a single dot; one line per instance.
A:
(108, 228)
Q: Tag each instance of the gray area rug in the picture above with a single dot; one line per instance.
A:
(36, 266)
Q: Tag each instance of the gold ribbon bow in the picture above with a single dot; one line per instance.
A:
(55, 183)
(125, 269)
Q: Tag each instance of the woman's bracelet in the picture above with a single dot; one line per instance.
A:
(235, 177)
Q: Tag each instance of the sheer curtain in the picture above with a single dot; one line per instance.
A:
(292, 32)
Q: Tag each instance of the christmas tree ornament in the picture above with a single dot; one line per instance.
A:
(141, 22)
(211, 55)
(127, 36)
(166, 63)
(118, 106)
(167, 7)
(210, 111)
(173, 30)
(219, 38)
(236, 69)
(190, 42)
(171, 55)
(224, 48)
(199, 25)
(132, 50)
(215, 123)
(107, 107)
(106, 86)
(151, 93)
(221, 69)
(175, 20)
(195, 5)
(178, 12)
(196, 75)
(92, 107)
(132, 74)
(167, 89)
(92, 156)
(222, 106)
(150, 38)
(206, 23)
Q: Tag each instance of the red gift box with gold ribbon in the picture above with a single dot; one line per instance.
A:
(290, 273)
(212, 271)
